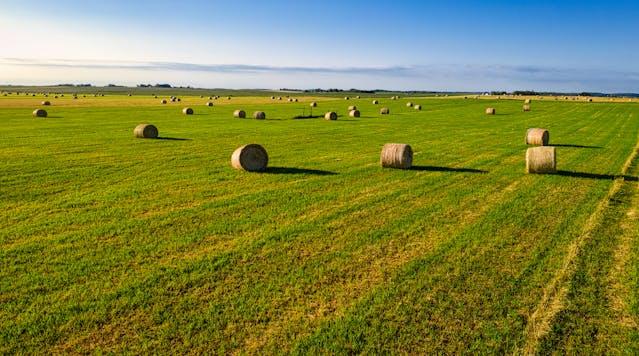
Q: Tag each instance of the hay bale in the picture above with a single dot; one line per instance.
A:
(187, 111)
(375, 102)
(208, 103)
(240, 114)
(354, 113)
(331, 115)
(526, 107)
(295, 100)
(417, 107)
(527, 101)
(46, 103)
(409, 104)
(272, 98)
(541, 160)
(55, 97)
(357, 97)
(347, 98)
(290, 100)
(178, 99)
(145, 131)
(352, 107)
(384, 111)
(259, 115)
(490, 111)
(589, 100)
(163, 101)
(250, 158)
(173, 100)
(313, 104)
(396, 155)
(536, 136)
(40, 113)
(279, 98)
(228, 98)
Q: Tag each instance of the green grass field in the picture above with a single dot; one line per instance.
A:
(114, 244)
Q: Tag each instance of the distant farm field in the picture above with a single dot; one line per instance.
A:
(116, 244)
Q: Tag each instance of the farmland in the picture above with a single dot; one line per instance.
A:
(116, 244)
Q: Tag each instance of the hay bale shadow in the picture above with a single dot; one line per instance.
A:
(573, 146)
(292, 170)
(585, 175)
(447, 169)
(173, 139)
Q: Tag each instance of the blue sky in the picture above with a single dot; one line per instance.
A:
(422, 45)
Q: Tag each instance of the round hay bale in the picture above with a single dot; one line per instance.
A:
(145, 131)
(178, 99)
(259, 115)
(250, 158)
(358, 97)
(155, 96)
(352, 107)
(313, 104)
(490, 111)
(279, 98)
(590, 100)
(396, 155)
(290, 100)
(201, 96)
(347, 98)
(210, 98)
(384, 111)
(46, 103)
(55, 97)
(541, 160)
(163, 101)
(272, 98)
(331, 115)
(417, 107)
(526, 107)
(295, 100)
(187, 111)
(536, 136)
(208, 103)
(409, 104)
(354, 113)
(527, 101)
(240, 114)
(40, 113)
(173, 100)
(228, 98)
(375, 102)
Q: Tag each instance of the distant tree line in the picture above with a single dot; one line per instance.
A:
(73, 85)
(155, 86)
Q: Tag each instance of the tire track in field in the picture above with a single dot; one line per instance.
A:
(554, 294)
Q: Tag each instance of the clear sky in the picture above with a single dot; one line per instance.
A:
(422, 45)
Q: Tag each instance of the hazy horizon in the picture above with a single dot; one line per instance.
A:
(402, 45)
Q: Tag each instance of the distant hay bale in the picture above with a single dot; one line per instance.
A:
(178, 99)
(527, 101)
(173, 100)
(208, 103)
(46, 103)
(154, 96)
(590, 100)
(537, 136)
(250, 158)
(40, 113)
(347, 98)
(331, 115)
(145, 131)
(290, 100)
(526, 107)
(279, 98)
(295, 100)
(417, 107)
(396, 155)
(163, 101)
(313, 104)
(352, 107)
(354, 113)
(259, 115)
(541, 160)
(490, 111)
(228, 98)
(240, 114)
(55, 97)
(201, 96)
(409, 104)
(272, 98)
(357, 97)
(210, 98)
(187, 111)
(375, 102)
(129, 94)
(384, 111)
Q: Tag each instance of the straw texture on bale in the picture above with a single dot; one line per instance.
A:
(187, 111)
(46, 103)
(331, 115)
(40, 113)
(537, 136)
(313, 104)
(526, 107)
(145, 131)
(375, 102)
(354, 113)
(352, 107)
(541, 160)
(209, 103)
(250, 158)
(490, 111)
(240, 114)
(396, 155)
(417, 107)
(409, 104)
(384, 111)
(259, 115)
